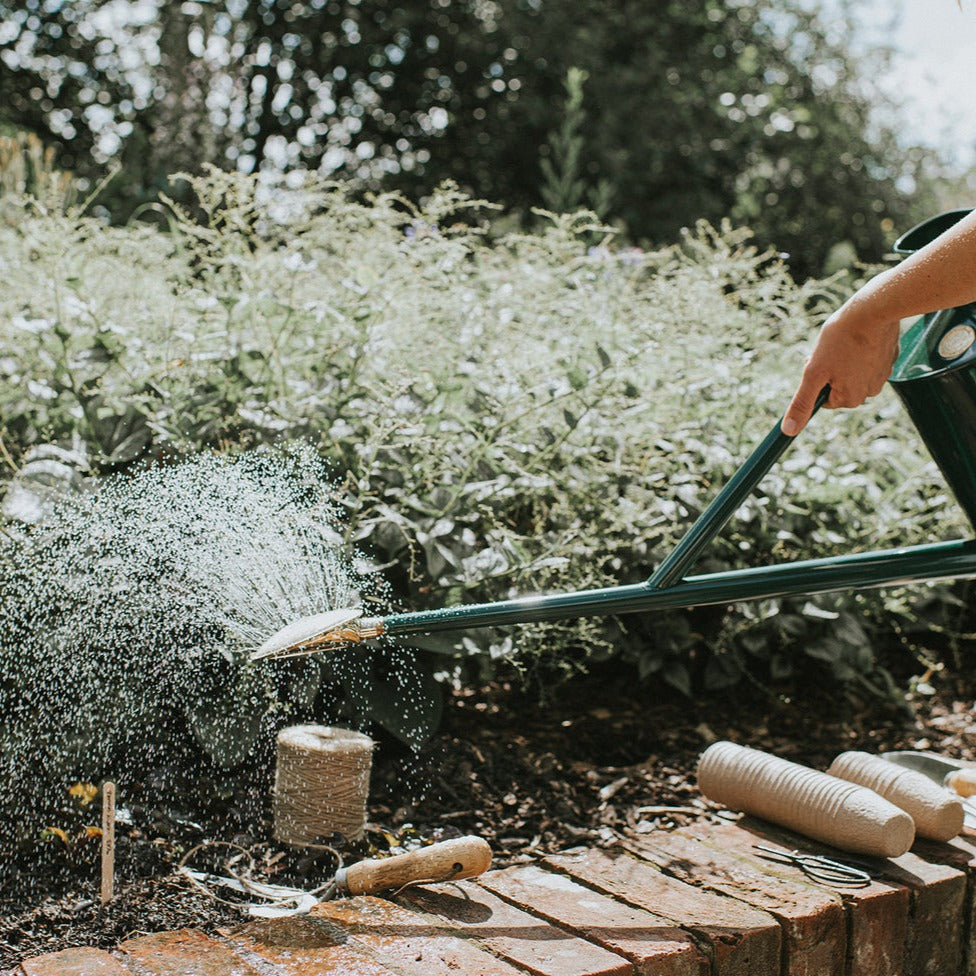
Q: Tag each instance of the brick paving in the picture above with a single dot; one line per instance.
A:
(692, 902)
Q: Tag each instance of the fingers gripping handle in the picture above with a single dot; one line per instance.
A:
(450, 860)
(822, 397)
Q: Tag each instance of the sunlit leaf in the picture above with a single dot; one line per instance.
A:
(84, 793)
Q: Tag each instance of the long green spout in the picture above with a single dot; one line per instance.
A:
(892, 567)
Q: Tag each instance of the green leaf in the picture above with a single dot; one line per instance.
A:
(780, 666)
(676, 674)
(826, 649)
(649, 663)
(578, 377)
(722, 671)
(755, 642)
(226, 736)
(398, 692)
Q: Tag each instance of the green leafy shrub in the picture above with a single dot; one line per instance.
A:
(502, 414)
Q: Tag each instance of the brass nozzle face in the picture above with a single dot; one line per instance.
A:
(354, 633)
(319, 632)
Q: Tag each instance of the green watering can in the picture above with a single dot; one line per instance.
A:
(935, 377)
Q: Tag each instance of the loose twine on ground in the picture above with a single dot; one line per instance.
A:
(321, 784)
(275, 899)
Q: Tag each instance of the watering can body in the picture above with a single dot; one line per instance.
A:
(935, 378)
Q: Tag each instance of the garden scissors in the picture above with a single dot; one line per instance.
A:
(818, 868)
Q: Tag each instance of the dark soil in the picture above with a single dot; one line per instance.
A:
(607, 758)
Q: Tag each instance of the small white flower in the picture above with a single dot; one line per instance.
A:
(41, 390)
(31, 325)
(294, 261)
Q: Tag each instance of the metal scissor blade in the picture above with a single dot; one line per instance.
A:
(933, 766)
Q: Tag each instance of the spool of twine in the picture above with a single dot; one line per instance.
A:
(321, 784)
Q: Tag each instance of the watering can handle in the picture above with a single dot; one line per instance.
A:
(735, 492)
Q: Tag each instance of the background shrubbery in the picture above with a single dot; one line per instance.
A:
(502, 413)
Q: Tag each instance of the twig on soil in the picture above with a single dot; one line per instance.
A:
(642, 811)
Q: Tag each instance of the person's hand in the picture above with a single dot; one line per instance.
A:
(855, 357)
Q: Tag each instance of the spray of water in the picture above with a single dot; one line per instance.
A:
(127, 615)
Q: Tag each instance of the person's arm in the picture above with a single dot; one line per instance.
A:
(858, 344)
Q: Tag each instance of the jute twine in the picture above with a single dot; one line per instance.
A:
(321, 784)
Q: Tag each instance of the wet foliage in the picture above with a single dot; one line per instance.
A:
(130, 608)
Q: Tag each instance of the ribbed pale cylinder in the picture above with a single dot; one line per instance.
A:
(938, 815)
(845, 815)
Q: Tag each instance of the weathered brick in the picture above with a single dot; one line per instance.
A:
(935, 935)
(183, 953)
(812, 918)
(74, 962)
(933, 932)
(515, 935)
(298, 946)
(878, 914)
(650, 942)
(409, 941)
(959, 853)
(741, 939)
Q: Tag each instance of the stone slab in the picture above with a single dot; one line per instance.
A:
(185, 952)
(408, 940)
(521, 938)
(74, 962)
(654, 945)
(740, 939)
(297, 946)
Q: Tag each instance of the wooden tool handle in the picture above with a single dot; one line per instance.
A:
(962, 781)
(463, 857)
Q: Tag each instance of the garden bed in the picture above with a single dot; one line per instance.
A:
(608, 758)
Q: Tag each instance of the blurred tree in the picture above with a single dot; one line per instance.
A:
(61, 77)
(564, 188)
(754, 109)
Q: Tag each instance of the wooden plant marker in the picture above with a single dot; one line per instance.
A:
(108, 842)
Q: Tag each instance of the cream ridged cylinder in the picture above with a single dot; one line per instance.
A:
(842, 814)
(938, 815)
(321, 784)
